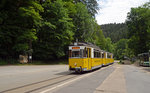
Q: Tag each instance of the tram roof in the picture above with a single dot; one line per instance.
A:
(85, 44)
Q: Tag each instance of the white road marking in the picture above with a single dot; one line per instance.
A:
(48, 90)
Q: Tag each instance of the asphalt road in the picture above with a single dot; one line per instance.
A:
(87, 84)
(57, 79)
(137, 80)
(16, 76)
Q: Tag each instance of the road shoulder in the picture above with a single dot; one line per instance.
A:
(114, 83)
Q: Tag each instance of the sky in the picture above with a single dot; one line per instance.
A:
(115, 11)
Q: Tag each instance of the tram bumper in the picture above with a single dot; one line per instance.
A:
(78, 69)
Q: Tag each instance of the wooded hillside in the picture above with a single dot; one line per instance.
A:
(115, 31)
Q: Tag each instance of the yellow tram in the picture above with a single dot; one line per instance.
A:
(86, 56)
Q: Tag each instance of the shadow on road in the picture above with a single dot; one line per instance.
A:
(64, 73)
(76, 73)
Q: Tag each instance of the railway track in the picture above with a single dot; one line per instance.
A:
(40, 85)
(49, 84)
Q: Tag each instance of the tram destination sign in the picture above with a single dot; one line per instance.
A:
(75, 47)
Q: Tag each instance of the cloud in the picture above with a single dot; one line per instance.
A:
(115, 11)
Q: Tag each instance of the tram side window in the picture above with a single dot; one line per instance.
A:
(96, 54)
(108, 56)
(102, 55)
(85, 53)
(81, 53)
(111, 56)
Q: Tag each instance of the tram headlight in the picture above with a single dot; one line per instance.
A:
(75, 64)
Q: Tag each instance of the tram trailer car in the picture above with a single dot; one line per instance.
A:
(86, 56)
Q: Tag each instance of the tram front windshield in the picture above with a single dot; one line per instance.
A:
(76, 53)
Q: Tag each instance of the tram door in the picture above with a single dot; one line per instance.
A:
(89, 58)
(105, 58)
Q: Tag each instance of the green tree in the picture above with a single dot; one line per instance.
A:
(85, 24)
(91, 5)
(109, 46)
(81, 22)
(138, 22)
(101, 41)
(18, 22)
(120, 49)
(56, 31)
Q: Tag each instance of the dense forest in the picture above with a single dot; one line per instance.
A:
(115, 31)
(45, 28)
